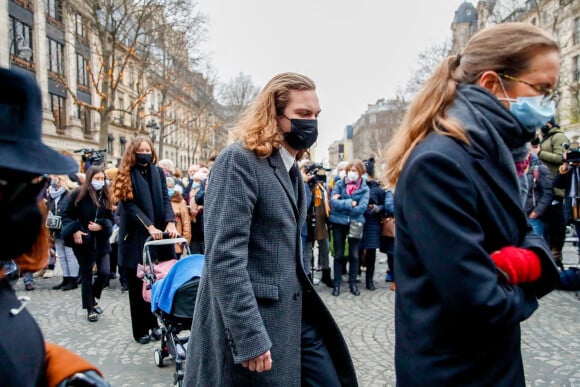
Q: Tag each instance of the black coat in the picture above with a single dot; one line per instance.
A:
(57, 209)
(22, 353)
(150, 205)
(456, 322)
(77, 217)
(372, 228)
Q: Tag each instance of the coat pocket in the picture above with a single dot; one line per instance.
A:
(265, 291)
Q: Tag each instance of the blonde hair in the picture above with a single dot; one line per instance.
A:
(65, 182)
(504, 48)
(258, 127)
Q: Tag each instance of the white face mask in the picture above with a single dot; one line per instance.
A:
(352, 176)
(342, 174)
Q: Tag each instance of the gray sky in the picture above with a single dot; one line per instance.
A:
(355, 51)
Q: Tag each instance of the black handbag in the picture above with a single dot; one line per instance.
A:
(355, 229)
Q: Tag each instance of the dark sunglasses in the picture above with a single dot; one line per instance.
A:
(12, 190)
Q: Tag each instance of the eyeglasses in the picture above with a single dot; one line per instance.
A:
(11, 190)
(549, 94)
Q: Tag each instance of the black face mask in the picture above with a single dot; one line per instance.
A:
(19, 226)
(143, 158)
(303, 133)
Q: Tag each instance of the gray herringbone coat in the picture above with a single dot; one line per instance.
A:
(253, 289)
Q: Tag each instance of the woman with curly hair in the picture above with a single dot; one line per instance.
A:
(140, 189)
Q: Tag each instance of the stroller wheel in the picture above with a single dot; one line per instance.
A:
(158, 358)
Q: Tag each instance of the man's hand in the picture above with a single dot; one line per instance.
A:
(259, 364)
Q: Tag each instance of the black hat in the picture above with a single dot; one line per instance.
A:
(21, 146)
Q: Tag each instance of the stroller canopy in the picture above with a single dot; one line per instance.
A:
(164, 290)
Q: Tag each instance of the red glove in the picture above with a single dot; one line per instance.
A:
(519, 265)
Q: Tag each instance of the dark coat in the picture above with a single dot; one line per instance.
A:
(373, 216)
(253, 293)
(56, 207)
(150, 205)
(540, 183)
(22, 353)
(456, 322)
(77, 217)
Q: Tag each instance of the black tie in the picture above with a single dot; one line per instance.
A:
(294, 179)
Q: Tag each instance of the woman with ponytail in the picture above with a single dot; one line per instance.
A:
(468, 268)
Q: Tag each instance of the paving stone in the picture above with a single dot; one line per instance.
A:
(550, 338)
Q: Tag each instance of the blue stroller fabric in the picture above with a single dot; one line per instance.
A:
(163, 290)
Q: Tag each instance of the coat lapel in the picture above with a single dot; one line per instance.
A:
(283, 177)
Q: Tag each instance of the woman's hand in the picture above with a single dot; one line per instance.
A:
(336, 196)
(171, 230)
(155, 232)
(95, 226)
(78, 237)
(354, 203)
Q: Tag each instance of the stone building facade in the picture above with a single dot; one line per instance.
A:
(56, 41)
(560, 18)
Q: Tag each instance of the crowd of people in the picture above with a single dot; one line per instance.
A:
(485, 186)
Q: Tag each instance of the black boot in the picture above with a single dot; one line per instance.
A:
(370, 273)
(70, 284)
(354, 289)
(336, 290)
(60, 285)
(326, 278)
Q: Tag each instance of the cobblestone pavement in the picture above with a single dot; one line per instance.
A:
(550, 338)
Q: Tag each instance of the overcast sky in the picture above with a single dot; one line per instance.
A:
(355, 51)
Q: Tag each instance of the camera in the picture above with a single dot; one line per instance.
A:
(572, 153)
(92, 156)
(313, 169)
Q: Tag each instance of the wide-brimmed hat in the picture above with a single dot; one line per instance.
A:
(21, 147)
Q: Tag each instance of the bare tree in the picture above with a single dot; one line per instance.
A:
(427, 62)
(237, 94)
(125, 51)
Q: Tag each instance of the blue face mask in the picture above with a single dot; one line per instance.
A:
(170, 192)
(98, 184)
(531, 112)
(195, 185)
(365, 177)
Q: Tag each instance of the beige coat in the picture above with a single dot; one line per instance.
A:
(182, 219)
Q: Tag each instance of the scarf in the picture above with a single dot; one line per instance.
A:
(492, 129)
(353, 186)
(55, 193)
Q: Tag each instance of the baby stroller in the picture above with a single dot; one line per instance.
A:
(173, 288)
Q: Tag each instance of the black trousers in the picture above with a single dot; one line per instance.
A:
(317, 366)
(555, 224)
(89, 289)
(142, 319)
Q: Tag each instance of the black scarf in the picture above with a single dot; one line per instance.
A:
(147, 193)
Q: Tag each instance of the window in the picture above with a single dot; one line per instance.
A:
(54, 9)
(80, 26)
(58, 110)
(122, 141)
(82, 70)
(20, 39)
(576, 36)
(55, 56)
(110, 140)
(84, 115)
(121, 108)
(576, 67)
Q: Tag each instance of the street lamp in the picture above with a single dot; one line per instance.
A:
(153, 130)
